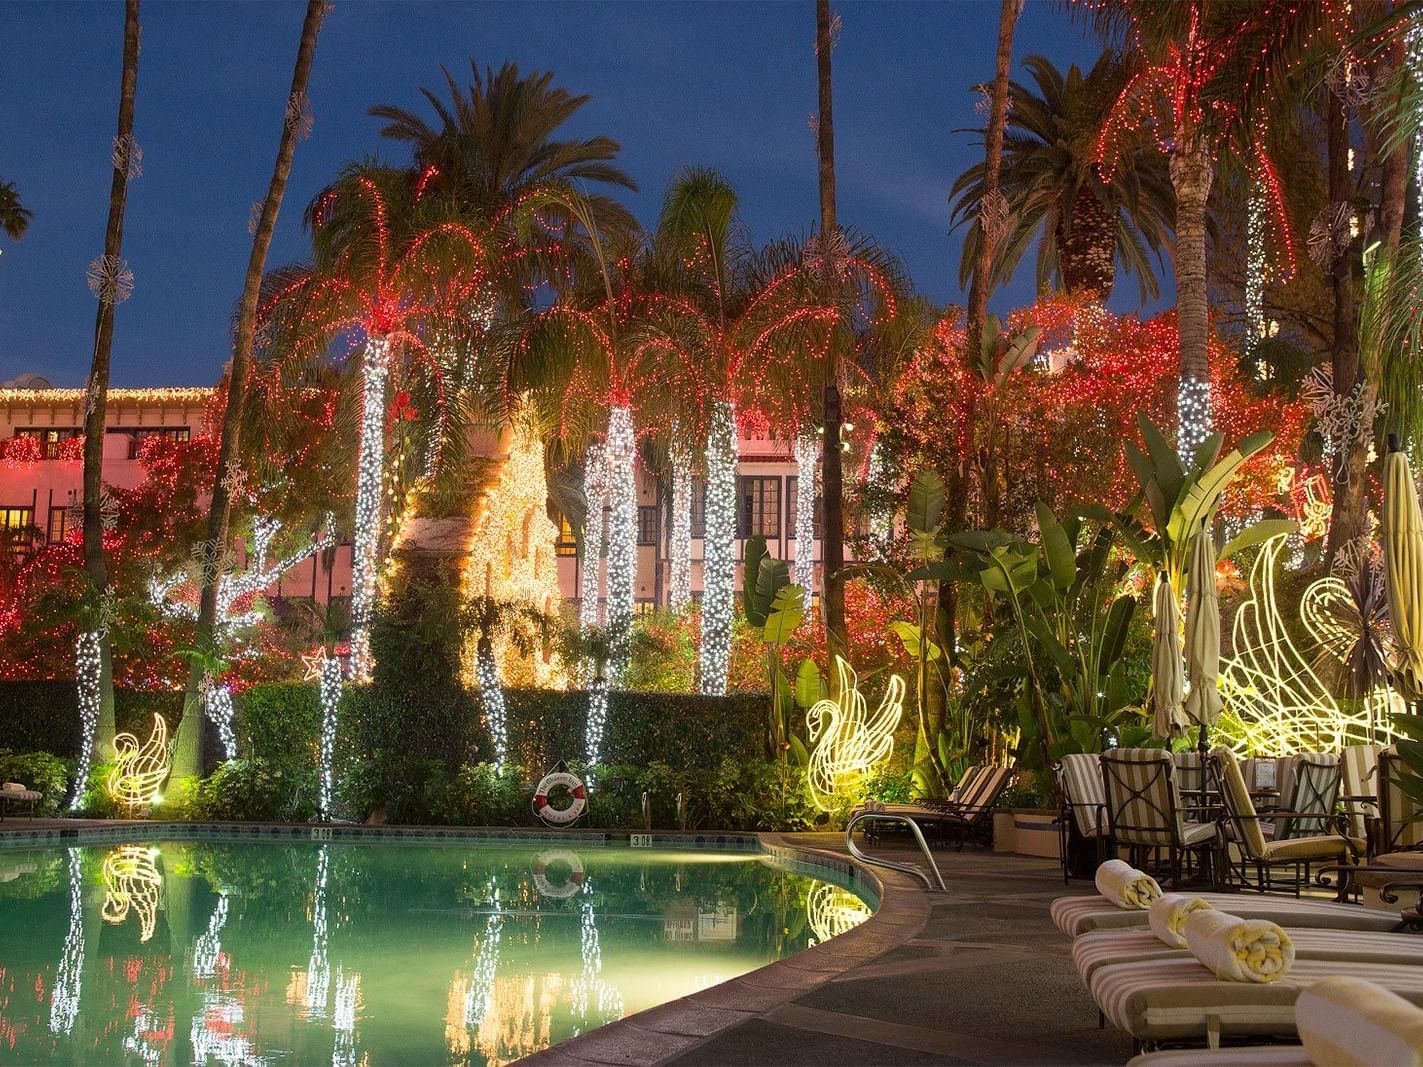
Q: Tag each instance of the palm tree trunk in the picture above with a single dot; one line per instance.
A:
(719, 556)
(805, 454)
(375, 372)
(1191, 175)
(1087, 247)
(187, 750)
(832, 536)
(992, 167)
(680, 583)
(491, 696)
(622, 538)
(101, 731)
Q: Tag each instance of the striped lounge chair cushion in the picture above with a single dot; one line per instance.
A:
(1260, 1056)
(1159, 1000)
(1081, 777)
(1101, 948)
(1079, 915)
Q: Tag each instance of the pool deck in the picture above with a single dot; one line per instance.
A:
(977, 975)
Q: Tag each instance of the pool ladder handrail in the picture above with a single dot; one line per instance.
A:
(894, 865)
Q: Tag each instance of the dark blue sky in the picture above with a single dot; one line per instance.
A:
(727, 85)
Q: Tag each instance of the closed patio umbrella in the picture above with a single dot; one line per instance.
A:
(1168, 684)
(1403, 569)
(1203, 702)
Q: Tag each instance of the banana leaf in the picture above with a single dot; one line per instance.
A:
(750, 576)
(787, 612)
(926, 502)
(809, 686)
(1201, 498)
(1061, 556)
(1257, 534)
(1170, 472)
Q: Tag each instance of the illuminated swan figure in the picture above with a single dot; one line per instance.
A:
(832, 910)
(131, 883)
(139, 770)
(850, 742)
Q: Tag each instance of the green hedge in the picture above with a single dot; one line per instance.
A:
(44, 716)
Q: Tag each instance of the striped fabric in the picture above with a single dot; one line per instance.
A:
(1159, 1000)
(1102, 948)
(1076, 916)
(1402, 827)
(1255, 1056)
(1189, 767)
(1080, 775)
(1315, 788)
(1140, 791)
(1346, 1022)
(1360, 774)
(1236, 797)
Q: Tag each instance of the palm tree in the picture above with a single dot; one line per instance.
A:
(111, 281)
(14, 216)
(1055, 190)
(188, 748)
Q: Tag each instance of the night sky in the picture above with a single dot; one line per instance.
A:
(726, 85)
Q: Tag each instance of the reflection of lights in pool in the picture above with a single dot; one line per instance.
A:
(64, 999)
(318, 968)
(343, 1019)
(214, 1033)
(832, 910)
(132, 883)
(208, 945)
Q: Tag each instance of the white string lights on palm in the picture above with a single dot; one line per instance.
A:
(375, 371)
(69, 975)
(719, 549)
(679, 590)
(491, 695)
(331, 684)
(1256, 209)
(88, 668)
(622, 537)
(595, 492)
(1193, 416)
(807, 460)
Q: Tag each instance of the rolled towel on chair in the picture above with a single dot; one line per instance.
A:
(1348, 1022)
(1125, 886)
(12, 787)
(1167, 916)
(1236, 949)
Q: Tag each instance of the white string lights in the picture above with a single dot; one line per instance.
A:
(318, 967)
(597, 719)
(1193, 416)
(595, 1001)
(88, 666)
(375, 370)
(218, 704)
(491, 695)
(343, 1019)
(330, 705)
(1255, 269)
(207, 947)
(69, 975)
(595, 492)
(807, 455)
(719, 548)
(679, 587)
(622, 537)
(479, 996)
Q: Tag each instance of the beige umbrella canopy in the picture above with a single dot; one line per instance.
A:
(1168, 683)
(1203, 702)
(1403, 569)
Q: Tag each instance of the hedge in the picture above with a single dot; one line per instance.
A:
(44, 716)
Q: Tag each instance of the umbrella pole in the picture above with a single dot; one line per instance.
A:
(1203, 740)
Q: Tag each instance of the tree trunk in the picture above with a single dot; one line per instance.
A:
(189, 742)
(680, 583)
(96, 395)
(719, 549)
(1191, 175)
(375, 373)
(832, 534)
(622, 539)
(992, 168)
(1087, 247)
(1393, 181)
(1348, 520)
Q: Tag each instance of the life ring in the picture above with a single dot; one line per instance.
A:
(560, 816)
(563, 890)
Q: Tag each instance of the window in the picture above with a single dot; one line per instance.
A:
(58, 524)
(647, 524)
(793, 512)
(567, 544)
(758, 507)
(50, 438)
(17, 530)
(139, 435)
(699, 508)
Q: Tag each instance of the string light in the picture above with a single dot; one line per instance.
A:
(807, 453)
(1193, 414)
(220, 712)
(1254, 270)
(680, 586)
(139, 770)
(848, 742)
(330, 706)
(590, 987)
(375, 370)
(343, 1019)
(622, 537)
(318, 967)
(69, 975)
(88, 670)
(595, 492)
(719, 547)
(479, 997)
(491, 695)
(207, 947)
(132, 883)
(597, 719)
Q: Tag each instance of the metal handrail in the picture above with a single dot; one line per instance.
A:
(906, 868)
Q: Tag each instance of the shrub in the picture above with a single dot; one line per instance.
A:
(40, 771)
(481, 795)
(251, 789)
(280, 722)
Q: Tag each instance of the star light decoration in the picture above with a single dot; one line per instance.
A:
(110, 279)
(108, 511)
(821, 256)
(1330, 233)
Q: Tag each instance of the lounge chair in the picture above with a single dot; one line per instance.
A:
(1076, 916)
(14, 794)
(1359, 769)
(1266, 856)
(1180, 1000)
(1314, 786)
(969, 809)
(1144, 809)
(1400, 819)
(1084, 805)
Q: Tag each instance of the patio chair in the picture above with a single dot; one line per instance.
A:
(13, 794)
(964, 789)
(1400, 818)
(1190, 778)
(1314, 787)
(1144, 810)
(1076, 916)
(1084, 805)
(1359, 771)
(967, 811)
(1299, 853)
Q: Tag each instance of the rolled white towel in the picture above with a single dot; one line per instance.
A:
(13, 787)
(1125, 886)
(1348, 1022)
(1167, 916)
(1236, 949)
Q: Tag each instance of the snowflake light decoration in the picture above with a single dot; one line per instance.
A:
(299, 117)
(1343, 421)
(1330, 233)
(1351, 84)
(254, 216)
(820, 255)
(234, 479)
(993, 217)
(128, 156)
(110, 279)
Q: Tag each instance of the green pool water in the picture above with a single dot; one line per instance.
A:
(236, 952)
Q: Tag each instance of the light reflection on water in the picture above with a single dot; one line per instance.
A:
(251, 953)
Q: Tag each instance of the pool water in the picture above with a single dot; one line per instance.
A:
(355, 953)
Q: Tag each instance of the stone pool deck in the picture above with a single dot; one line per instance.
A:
(977, 975)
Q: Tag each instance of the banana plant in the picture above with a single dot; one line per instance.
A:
(775, 606)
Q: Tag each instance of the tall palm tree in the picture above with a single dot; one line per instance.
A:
(1056, 194)
(14, 216)
(111, 281)
(189, 740)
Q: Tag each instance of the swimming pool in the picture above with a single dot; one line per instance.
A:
(222, 951)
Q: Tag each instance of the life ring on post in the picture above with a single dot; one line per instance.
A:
(560, 816)
(564, 889)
